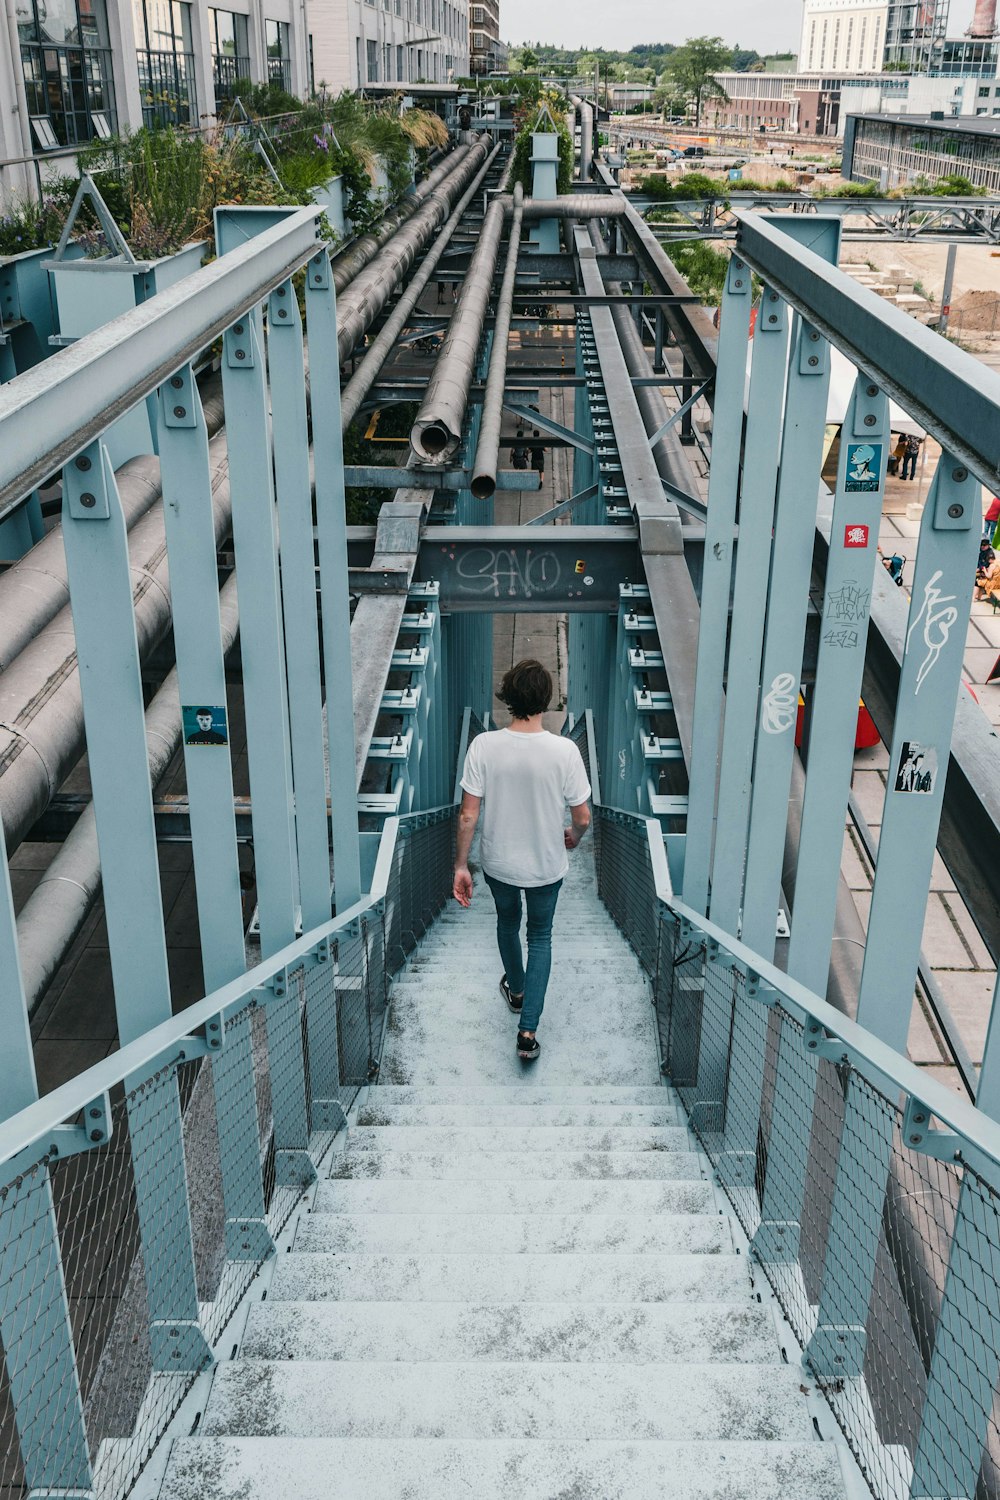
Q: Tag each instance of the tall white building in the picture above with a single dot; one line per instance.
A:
(843, 36)
(72, 71)
(357, 42)
(869, 35)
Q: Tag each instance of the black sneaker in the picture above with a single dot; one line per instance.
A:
(513, 1001)
(527, 1046)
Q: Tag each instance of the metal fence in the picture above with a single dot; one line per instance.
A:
(870, 1193)
(99, 1236)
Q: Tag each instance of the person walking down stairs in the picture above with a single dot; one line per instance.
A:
(521, 779)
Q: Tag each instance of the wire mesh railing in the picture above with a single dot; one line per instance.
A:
(870, 1194)
(129, 1236)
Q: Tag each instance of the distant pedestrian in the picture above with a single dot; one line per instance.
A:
(440, 289)
(910, 455)
(538, 461)
(992, 517)
(519, 456)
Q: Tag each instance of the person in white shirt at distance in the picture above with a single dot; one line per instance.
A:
(521, 780)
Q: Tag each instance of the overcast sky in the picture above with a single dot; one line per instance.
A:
(624, 23)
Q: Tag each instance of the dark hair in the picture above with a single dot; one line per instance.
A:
(526, 689)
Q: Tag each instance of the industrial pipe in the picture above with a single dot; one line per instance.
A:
(361, 252)
(437, 430)
(378, 352)
(484, 474)
(59, 905)
(41, 709)
(35, 588)
(371, 289)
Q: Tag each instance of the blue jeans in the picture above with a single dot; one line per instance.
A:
(909, 462)
(541, 902)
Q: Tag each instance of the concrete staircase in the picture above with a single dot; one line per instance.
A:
(516, 1280)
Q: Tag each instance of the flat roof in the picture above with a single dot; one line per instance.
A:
(953, 125)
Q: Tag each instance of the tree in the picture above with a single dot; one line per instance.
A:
(525, 60)
(743, 59)
(693, 68)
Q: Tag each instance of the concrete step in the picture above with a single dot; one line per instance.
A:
(521, 1138)
(525, 1093)
(511, 1166)
(512, 1234)
(504, 1117)
(626, 1333)
(510, 1279)
(498, 1469)
(468, 1400)
(536, 1196)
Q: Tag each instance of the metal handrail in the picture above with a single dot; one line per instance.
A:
(31, 1125)
(73, 396)
(861, 1047)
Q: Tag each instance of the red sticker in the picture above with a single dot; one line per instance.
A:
(855, 536)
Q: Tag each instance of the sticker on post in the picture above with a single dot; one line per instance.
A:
(204, 726)
(864, 464)
(917, 769)
(856, 536)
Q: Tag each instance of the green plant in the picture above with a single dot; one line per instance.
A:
(703, 268)
(28, 225)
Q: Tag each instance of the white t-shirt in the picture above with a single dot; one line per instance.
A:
(526, 782)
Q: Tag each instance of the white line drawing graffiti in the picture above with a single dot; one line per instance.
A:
(507, 572)
(937, 614)
(777, 713)
(621, 765)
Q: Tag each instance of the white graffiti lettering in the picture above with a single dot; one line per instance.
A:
(506, 573)
(778, 710)
(937, 615)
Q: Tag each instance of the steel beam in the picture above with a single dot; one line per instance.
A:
(547, 568)
(54, 410)
(954, 396)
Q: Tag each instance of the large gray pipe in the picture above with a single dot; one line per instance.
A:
(586, 140)
(378, 352)
(35, 589)
(484, 475)
(41, 710)
(59, 905)
(369, 292)
(364, 250)
(437, 430)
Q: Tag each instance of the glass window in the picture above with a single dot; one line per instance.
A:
(400, 65)
(227, 32)
(166, 62)
(66, 66)
(279, 62)
(372, 62)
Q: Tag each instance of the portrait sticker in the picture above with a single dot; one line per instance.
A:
(917, 769)
(203, 725)
(864, 464)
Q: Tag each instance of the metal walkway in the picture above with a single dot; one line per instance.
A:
(511, 1280)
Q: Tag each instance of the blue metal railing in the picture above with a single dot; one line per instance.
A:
(869, 1191)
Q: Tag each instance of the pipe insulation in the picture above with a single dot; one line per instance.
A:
(41, 709)
(59, 905)
(437, 430)
(371, 289)
(35, 589)
(384, 344)
(484, 473)
(586, 140)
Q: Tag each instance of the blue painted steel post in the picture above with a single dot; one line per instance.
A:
(331, 519)
(100, 580)
(185, 471)
(35, 1329)
(850, 571)
(262, 648)
(930, 681)
(753, 551)
(727, 436)
(298, 579)
(787, 605)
